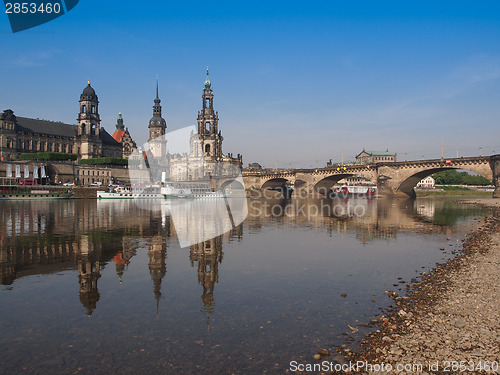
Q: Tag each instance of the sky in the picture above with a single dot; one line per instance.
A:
(295, 83)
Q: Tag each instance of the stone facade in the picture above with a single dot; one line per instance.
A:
(203, 154)
(376, 157)
(122, 136)
(19, 135)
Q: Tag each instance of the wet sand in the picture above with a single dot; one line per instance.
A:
(449, 320)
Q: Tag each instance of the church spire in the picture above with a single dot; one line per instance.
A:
(157, 106)
(157, 87)
(207, 81)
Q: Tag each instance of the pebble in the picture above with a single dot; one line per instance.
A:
(454, 310)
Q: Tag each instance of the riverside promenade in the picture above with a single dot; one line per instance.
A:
(449, 321)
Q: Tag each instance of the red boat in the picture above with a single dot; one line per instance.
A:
(356, 190)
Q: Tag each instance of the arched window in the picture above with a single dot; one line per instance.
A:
(18, 144)
(26, 145)
(207, 127)
(93, 109)
(84, 108)
(49, 146)
(63, 148)
(9, 143)
(207, 103)
(207, 148)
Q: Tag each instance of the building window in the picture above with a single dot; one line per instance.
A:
(49, 147)
(84, 108)
(207, 127)
(207, 148)
(93, 109)
(18, 144)
(207, 103)
(42, 146)
(9, 143)
(70, 149)
(56, 147)
(63, 148)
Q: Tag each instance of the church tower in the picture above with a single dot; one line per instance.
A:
(157, 127)
(89, 124)
(208, 124)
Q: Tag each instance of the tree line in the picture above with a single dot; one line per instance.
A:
(453, 177)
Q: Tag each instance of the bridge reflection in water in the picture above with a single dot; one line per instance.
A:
(39, 237)
(93, 245)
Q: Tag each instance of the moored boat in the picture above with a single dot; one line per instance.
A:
(356, 190)
(34, 192)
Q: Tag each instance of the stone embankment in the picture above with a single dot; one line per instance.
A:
(449, 321)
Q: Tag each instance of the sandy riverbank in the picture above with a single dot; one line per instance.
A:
(449, 322)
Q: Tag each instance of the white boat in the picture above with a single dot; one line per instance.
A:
(127, 195)
(171, 192)
(364, 190)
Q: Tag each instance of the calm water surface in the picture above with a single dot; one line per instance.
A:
(103, 286)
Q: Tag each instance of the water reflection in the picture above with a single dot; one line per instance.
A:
(291, 278)
(40, 237)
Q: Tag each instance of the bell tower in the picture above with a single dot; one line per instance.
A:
(89, 124)
(208, 125)
(157, 127)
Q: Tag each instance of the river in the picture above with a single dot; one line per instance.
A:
(100, 287)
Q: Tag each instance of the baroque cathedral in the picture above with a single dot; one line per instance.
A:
(87, 139)
(204, 148)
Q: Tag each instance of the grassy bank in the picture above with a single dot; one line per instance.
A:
(451, 191)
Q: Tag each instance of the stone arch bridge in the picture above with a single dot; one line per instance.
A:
(392, 179)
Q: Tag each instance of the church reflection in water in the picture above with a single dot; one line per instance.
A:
(47, 237)
(44, 237)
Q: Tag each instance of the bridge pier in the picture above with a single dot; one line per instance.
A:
(495, 167)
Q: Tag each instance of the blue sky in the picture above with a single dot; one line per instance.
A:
(293, 81)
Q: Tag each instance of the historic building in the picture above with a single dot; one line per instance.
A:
(203, 154)
(376, 157)
(122, 136)
(87, 139)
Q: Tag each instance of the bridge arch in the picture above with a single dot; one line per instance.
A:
(407, 185)
(233, 185)
(324, 185)
(279, 184)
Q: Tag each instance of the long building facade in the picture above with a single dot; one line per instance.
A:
(87, 139)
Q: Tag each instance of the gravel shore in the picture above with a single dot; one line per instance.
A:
(449, 320)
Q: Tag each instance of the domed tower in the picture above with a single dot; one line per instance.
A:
(89, 124)
(208, 125)
(157, 127)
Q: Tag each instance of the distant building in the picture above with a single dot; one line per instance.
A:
(86, 139)
(253, 167)
(427, 183)
(376, 157)
(122, 136)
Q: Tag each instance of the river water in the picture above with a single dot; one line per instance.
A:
(101, 287)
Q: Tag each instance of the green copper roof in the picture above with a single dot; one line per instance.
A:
(207, 81)
(380, 153)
